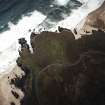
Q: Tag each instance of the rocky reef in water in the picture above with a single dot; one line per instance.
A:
(63, 70)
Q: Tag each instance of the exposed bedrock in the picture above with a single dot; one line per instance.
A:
(63, 70)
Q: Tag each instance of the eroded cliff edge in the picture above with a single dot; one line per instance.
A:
(63, 70)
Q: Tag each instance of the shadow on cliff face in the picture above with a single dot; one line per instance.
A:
(63, 70)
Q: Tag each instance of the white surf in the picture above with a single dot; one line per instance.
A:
(9, 39)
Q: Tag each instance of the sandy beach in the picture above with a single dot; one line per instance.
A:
(9, 94)
(95, 20)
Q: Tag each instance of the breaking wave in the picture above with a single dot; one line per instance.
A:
(17, 25)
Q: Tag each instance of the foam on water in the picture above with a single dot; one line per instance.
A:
(78, 15)
(8, 39)
(61, 2)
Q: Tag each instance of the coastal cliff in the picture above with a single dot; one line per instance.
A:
(60, 69)
(63, 70)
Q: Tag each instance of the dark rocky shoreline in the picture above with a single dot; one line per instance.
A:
(63, 70)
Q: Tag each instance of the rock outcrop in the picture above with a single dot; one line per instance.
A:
(63, 70)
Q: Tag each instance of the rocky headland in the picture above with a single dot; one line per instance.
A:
(61, 70)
